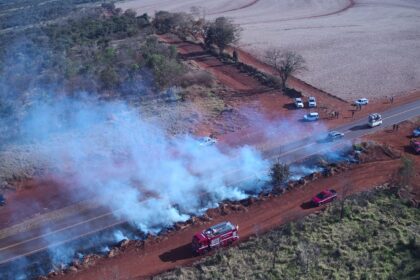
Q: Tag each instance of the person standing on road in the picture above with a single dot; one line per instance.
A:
(235, 56)
(392, 99)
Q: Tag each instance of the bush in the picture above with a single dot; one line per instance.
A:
(202, 78)
(279, 174)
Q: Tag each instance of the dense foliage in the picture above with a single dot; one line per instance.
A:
(101, 49)
(25, 12)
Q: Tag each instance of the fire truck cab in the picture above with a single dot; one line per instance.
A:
(375, 119)
(220, 235)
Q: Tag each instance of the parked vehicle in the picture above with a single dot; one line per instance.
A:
(207, 141)
(2, 200)
(416, 132)
(361, 101)
(220, 235)
(334, 135)
(374, 119)
(314, 116)
(415, 144)
(311, 102)
(323, 197)
(298, 102)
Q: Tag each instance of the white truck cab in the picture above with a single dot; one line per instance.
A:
(374, 119)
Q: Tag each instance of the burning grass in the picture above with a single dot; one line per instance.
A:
(378, 238)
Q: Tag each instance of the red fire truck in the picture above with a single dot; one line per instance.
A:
(220, 235)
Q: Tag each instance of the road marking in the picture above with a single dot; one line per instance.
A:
(123, 221)
(60, 243)
(59, 230)
(403, 112)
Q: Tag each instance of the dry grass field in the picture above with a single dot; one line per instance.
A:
(353, 48)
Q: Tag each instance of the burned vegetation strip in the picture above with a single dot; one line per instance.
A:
(378, 238)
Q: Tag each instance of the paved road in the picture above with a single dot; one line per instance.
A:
(23, 244)
(314, 145)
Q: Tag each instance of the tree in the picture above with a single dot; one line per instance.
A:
(286, 63)
(344, 194)
(221, 33)
(406, 172)
(279, 174)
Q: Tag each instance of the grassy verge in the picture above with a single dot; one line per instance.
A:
(378, 238)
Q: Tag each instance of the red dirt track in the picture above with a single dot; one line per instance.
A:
(173, 250)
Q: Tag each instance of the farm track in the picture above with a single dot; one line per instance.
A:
(252, 3)
(351, 4)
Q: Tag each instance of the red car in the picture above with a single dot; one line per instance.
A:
(324, 197)
(219, 235)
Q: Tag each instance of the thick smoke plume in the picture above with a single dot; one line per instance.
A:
(132, 166)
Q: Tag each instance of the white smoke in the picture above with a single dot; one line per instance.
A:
(132, 166)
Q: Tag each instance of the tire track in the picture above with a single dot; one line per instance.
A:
(350, 4)
(236, 9)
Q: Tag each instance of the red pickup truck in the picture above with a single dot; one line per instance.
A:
(324, 197)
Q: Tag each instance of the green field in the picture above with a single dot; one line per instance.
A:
(378, 238)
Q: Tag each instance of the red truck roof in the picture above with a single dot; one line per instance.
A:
(222, 234)
(215, 230)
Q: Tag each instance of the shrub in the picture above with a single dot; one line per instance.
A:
(203, 78)
(279, 173)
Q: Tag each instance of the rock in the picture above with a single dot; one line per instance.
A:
(72, 269)
(194, 220)
(238, 207)
(124, 243)
(249, 201)
(205, 218)
(112, 253)
(302, 181)
(180, 226)
(139, 244)
(89, 260)
(224, 209)
(314, 176)
(52, 274)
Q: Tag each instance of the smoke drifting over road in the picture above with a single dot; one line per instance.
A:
(132, 166)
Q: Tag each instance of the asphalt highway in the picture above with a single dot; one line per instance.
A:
(29, 242)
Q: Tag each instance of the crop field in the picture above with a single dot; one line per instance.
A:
(378, 238)
(350, 46)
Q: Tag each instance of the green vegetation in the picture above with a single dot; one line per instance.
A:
(101, 49)
(378, 238)
(221, 32)
(279, 174)
(25, 12)
(406, 172)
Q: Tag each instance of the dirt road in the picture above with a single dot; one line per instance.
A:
(173, 249)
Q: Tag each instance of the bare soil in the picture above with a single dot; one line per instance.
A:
(353, 48)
